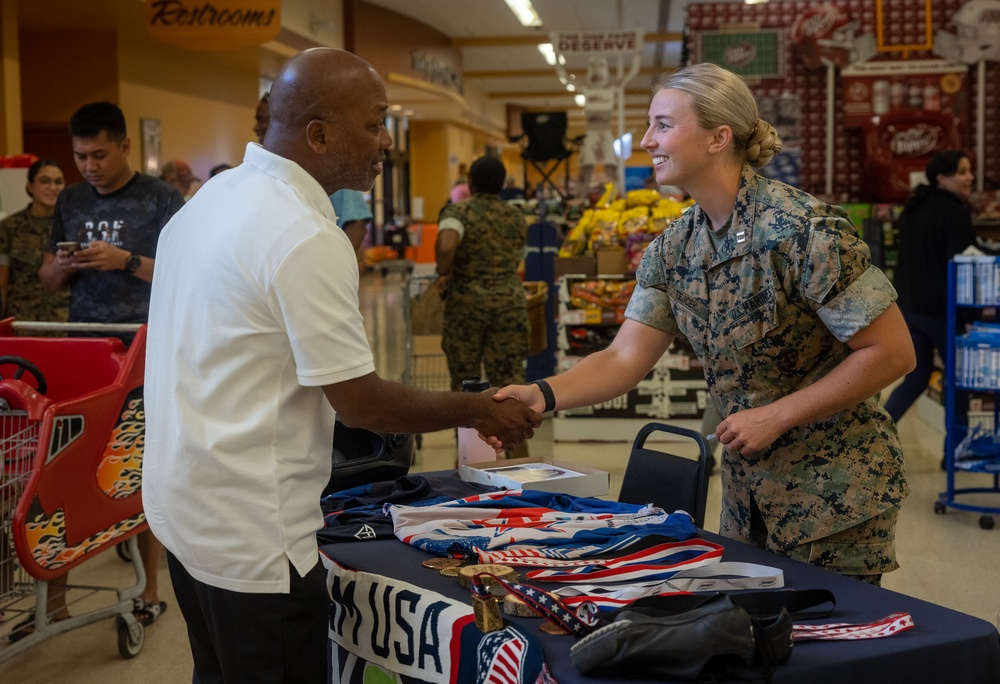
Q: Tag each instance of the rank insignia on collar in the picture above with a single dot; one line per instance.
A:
(741, 237)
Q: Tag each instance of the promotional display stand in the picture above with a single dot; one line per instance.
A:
(972, 380)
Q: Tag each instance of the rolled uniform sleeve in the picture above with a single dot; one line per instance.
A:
(449, 220)
(650, 303)
(847, 292)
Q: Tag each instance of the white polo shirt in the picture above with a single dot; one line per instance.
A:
(254, 307)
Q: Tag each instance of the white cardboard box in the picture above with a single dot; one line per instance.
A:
(573, 479)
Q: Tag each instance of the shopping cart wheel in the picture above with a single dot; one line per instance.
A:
(940, 508)
(122, 550)
(986, 522)
(131, 637)
(25, 365)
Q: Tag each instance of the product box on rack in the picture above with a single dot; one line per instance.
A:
(539, 473)
(584, 265)
(611, 262)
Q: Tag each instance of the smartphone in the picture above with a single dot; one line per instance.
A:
(68, 246)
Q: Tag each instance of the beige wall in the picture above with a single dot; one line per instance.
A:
(436, 150)
(205, 101)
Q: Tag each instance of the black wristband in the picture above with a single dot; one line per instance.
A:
(550, 398)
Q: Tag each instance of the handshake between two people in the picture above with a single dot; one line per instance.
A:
(517, 413)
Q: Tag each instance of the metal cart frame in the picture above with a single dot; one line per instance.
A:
(425, 365)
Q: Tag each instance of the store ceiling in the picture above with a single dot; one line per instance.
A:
(501, 57)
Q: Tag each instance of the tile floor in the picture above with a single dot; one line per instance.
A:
(945, 559)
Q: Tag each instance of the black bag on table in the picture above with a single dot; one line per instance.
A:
(694, 638)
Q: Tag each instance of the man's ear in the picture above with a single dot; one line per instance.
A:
(316, 136)
(723, 136)
(126, 145)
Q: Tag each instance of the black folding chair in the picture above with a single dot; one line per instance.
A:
(547, 148)
(667, 480)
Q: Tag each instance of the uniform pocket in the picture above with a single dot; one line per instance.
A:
(693, 327)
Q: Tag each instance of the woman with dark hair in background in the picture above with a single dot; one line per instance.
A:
(22, 243)
(935, 225)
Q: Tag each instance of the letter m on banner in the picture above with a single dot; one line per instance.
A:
(213, 24)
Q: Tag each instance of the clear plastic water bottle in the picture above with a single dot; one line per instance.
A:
(471, 449)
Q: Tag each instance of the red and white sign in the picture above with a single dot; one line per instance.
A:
(879, 88)
(899, 145)
(601, 42)
(817, 36)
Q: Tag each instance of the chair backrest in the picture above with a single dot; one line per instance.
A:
(667, 480)
(546, 133)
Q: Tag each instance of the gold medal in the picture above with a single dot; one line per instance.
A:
(503, 572)
(552, 628)
(449, 571)
(512, 605)
(441, 563)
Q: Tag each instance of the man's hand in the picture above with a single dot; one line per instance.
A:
(66, 260)
(528, 395)
(508, 423)
(100, 256)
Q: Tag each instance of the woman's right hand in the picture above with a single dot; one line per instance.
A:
(529, 395)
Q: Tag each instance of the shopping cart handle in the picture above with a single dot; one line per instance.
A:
(76, 327)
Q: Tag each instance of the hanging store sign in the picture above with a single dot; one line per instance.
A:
(978, 36)
(879, 88)
(599, 42)
(213, 24)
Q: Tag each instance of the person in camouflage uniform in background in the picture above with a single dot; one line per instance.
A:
(481, 240)
(797, 331)
(23, 236)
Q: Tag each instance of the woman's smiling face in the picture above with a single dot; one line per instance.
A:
(675, 140)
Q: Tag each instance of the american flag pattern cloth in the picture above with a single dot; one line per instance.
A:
(565, 526)
(890, 625)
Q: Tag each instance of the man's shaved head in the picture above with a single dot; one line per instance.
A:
(327, 111)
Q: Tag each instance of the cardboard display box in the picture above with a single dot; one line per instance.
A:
(539, 473)
(611, 262)
(579, 265)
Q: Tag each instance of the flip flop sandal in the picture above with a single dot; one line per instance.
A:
(147, 612)
(26, 627)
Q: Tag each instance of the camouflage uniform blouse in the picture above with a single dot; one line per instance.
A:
(769, 313)
(22, 245)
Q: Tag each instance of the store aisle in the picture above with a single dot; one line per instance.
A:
(945, 559)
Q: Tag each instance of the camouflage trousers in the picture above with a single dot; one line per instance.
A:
(865, 551)
(485, 332)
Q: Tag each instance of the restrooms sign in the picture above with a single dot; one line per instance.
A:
(213, 24)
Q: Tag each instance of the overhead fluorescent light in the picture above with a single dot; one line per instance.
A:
(525, 12)
(548, 53)
(754, 2)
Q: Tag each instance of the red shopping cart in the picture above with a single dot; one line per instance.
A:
(71, 442)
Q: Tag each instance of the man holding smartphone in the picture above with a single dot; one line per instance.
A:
(114, 219)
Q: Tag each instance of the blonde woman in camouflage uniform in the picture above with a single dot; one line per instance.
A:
(22, 243)
(797, 330)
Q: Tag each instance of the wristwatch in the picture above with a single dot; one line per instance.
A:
(132, 262)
